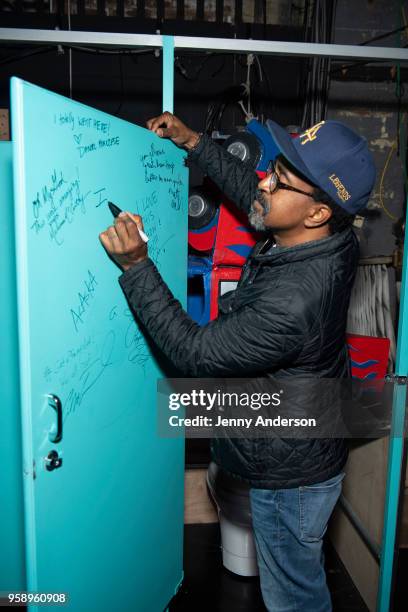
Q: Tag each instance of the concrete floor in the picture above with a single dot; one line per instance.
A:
(209, 587)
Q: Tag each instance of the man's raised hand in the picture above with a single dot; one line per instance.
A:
(167, 125)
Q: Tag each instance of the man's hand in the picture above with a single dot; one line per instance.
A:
(169, 126)
(122, 241)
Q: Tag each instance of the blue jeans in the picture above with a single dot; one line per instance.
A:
(289, 525)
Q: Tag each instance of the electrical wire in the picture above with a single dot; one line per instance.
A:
(381, 187)
(22, 56)
(187, 75)
(267, 80)
(318, 28)
(400, 137)
(70, 51)
(243, 96)
(102, 51)
(216, 109)
(403, 138)
(367, 42)
(381, 36)
(260, 71)
(122, 85)
(220, 68)
(76, 48)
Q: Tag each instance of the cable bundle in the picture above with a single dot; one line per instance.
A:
(319, 27)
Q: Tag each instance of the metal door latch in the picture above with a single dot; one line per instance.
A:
(52, 461)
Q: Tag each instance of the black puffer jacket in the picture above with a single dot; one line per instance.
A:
(286, 318)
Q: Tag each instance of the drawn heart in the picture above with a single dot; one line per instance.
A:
(78, 138)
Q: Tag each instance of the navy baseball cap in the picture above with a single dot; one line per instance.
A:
(333, 157)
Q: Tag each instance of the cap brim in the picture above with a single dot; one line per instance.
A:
(284, 142)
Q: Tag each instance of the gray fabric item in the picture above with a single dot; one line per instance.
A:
(370, 313)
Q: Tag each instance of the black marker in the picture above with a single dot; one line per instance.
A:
(115, 210)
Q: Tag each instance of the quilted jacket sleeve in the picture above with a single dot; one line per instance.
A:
(255, 338)
(238, 182)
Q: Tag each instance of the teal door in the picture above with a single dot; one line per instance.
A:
(12, 574)
(103, 495)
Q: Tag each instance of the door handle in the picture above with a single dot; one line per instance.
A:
(55, 402)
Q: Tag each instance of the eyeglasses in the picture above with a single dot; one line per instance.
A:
(275, 184)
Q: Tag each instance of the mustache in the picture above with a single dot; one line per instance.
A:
(261, 198)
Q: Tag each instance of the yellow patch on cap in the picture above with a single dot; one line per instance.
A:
(310, 134)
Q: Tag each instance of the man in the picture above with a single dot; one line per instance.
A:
(287, 317)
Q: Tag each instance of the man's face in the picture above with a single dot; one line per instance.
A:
(281, 210)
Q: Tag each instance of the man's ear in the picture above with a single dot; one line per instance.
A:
(318, 215)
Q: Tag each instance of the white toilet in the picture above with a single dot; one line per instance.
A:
(237, 539)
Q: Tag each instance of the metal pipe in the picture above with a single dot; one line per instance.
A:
(396, 450)
(65, 37)
(372, 546)
(225, 45)
(297, 49)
